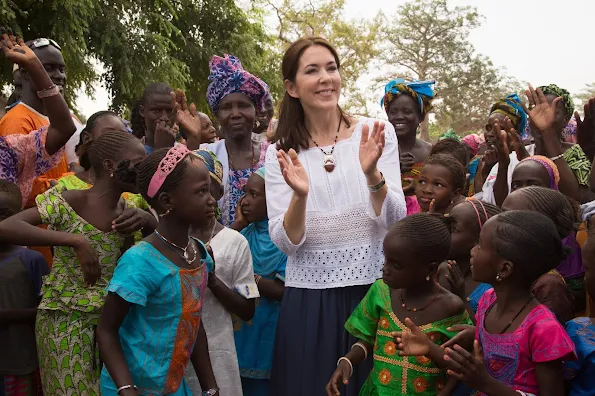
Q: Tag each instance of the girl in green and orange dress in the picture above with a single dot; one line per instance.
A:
(407, 292)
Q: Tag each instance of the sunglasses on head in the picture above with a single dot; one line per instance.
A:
(44, 42)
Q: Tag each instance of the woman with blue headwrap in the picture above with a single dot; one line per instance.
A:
(406, 105)
(236, 97)
(255, 339)
(231, 293)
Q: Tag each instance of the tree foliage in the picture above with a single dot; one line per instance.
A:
(584, 95)
(429, 41)
(142, 41)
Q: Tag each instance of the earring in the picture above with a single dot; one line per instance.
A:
(165, 214)
(498, 278)
(257, 124)
(111, 174)
(428, 278)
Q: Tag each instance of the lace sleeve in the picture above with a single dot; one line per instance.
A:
(394, 207)
(278, 197)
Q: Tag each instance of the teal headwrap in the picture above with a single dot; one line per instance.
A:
(420, 91)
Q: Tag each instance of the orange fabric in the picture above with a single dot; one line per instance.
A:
(21, 120)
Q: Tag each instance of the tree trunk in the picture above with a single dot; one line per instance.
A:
(425, 131)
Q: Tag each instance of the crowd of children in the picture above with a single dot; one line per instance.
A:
(314, 254)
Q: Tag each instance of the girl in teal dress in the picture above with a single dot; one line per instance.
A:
(255, 339)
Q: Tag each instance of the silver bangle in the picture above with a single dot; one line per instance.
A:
(348, 362)
(557, 157)
(210, 392)
(120, 389)
(378, 186)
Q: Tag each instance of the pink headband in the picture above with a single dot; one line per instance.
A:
(477, 211)
(173, 157)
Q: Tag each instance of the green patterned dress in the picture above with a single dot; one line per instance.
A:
(373, 321)
(69, 312)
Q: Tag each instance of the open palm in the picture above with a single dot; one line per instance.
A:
(15, 50)
(186, 116)
(371, 147)
(412, 341)
(541, 113)
(293, 171)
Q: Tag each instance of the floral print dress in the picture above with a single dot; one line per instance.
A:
(373, 321)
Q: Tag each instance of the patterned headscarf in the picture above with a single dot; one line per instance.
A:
(450, 134)
(555, 90)
(228, 76)
(420, 91)
(215, 169)
(512, 108)
(473, 141)
(549, 166)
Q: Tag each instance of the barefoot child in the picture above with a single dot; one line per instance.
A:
(255, 339)
(413, 249)
(151, 325)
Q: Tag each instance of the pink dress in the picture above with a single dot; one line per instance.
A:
(412, 205)
(511, 357)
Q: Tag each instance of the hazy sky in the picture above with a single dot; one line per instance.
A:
(540, 41)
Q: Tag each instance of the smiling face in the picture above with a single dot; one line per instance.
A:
(435, 182)
(403, 113)
(53, 63)
(236, 116)
(529, 173)
(490, 133)
(254, 204)
(317, 82)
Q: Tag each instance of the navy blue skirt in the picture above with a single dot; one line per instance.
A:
(311, 337)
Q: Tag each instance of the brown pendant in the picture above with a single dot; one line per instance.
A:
(329, 163)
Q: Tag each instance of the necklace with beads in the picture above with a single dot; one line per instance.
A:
(402, 299)
(328, 160)
(185, 256)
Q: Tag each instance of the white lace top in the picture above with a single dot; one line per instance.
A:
(342, 245)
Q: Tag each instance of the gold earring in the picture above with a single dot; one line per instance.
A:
(165, 214)
(498, 278)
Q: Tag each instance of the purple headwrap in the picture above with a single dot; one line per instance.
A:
(228, 76)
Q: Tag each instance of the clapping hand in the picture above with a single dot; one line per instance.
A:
(585, 129)
(293, 172)
(465, 336)
(371, 147)
(406, 160)
(456, 279)
(466, 367)
(412, 341)
(186, 116)
(541, 113)
(15, 50)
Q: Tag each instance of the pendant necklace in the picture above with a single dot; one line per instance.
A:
(186, 256)
(328, 161)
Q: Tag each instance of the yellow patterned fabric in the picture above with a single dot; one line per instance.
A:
(373, 321)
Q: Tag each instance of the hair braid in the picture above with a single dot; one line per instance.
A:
(106, 146)
(554, 205)
(428, 235)
(530, 241)
(457, 170)
(453, 147)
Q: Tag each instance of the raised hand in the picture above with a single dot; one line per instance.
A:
(515, 140)
(585, 129)
(502, 145)
(186, 116)
(412, 341)
(340, 376)
(456, 279)
(541, 113)
(371, 147)
(432, 208)
(466, 367)
(293, 172)
(88, 259)
(15, 50)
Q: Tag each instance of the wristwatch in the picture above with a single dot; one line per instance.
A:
(210, 392)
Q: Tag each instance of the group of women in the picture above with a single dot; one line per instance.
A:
(262, 259)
